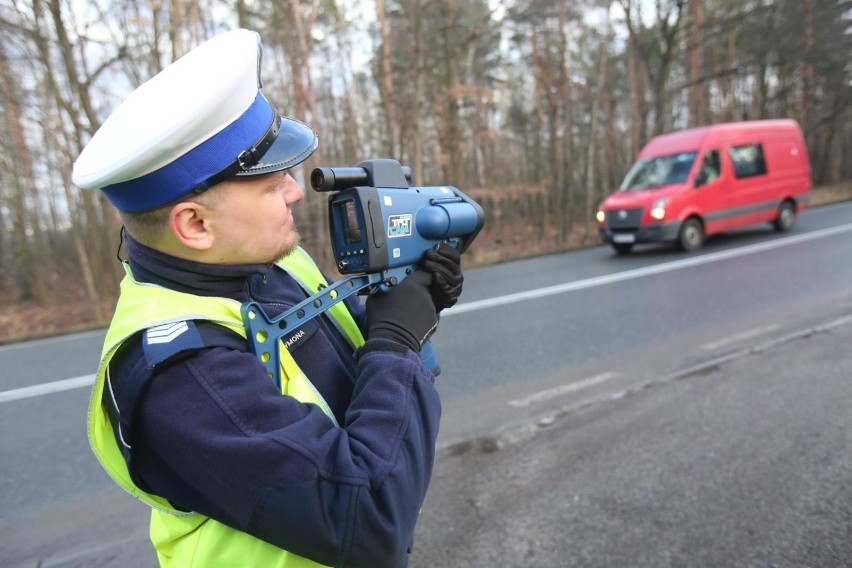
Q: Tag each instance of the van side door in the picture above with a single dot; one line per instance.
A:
(752, 196)
(710, 196)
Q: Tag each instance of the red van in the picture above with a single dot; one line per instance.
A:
(690, 184)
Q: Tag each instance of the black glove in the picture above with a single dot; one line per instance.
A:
(447, 278)
(404, 314)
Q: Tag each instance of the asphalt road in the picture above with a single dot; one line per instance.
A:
(656, 409)
(741, 463)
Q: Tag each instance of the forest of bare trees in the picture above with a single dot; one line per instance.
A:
(534, 107)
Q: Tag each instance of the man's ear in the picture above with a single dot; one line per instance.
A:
(189, 224)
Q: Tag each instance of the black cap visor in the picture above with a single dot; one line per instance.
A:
(294, 144)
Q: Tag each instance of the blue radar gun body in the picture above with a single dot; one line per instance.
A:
(381, 228)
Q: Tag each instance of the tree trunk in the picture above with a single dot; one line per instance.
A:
(419, 89)
(386, 82)
(591, 158)
(26, 249)
(728, 82)
(566, 206)
(542, 168)
(95, 222)
(808, 123)
(697, 91)
(633, 81)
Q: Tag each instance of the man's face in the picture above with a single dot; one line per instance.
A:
(252, 219)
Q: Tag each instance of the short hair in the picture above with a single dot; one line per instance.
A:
(149, 227)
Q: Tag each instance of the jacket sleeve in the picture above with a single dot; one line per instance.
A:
(213, 435)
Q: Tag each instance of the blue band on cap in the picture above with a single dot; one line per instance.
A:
(178, 178)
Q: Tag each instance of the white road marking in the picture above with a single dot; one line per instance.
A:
(561, 390)
(79, 382)
(46, 388)
(739, 337)
(640, 272)
(834, 324)
(51, 340)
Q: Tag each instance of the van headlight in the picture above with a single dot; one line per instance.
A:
(600, 216)
(658, 209)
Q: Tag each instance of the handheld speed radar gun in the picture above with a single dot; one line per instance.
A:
(381, 225)
(380, 230)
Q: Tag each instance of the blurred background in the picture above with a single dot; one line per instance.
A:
(535, 108)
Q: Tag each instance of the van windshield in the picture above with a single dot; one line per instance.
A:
(658, 171)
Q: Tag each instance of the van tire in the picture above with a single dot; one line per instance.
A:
(786, 217)
(691, 235)
(622, 248)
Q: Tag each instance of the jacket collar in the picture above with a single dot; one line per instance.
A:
(155, 267)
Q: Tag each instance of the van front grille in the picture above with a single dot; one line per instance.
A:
(624, 218)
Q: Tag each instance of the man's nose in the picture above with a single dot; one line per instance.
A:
(293, 192)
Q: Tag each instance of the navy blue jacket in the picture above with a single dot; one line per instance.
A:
(211, 433)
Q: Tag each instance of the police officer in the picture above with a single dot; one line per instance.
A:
(331, 468)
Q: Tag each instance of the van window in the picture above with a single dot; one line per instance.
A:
(657, 171)
(711, 166)
(748, 160)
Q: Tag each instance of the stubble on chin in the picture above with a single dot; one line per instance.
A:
(287, 249)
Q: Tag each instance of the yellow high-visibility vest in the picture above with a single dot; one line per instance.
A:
(184, 539)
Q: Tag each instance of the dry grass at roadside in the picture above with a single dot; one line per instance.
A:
(833, 193)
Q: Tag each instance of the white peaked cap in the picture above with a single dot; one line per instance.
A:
(199, 121)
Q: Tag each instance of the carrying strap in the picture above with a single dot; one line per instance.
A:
(302, 268)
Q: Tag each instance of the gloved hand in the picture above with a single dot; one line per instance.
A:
(404, 314)
(447, 278)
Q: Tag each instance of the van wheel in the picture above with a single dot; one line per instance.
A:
(691, 235)
(622, 248)
(786, 217)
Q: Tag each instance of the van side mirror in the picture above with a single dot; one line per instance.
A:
(700, 178)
